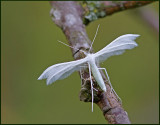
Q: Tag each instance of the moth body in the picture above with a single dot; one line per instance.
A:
(95, 71)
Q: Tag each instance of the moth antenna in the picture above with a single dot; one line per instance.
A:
(71, 47)
(94, 38)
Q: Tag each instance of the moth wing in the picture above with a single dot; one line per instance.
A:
(117, 47)
(61, 70)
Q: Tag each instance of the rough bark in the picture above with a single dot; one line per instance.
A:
(100, 9)
(68, 16)
(112, 7)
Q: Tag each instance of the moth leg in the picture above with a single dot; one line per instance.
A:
(81, 74)
(91, 84)
(95, 89)
(110, 83)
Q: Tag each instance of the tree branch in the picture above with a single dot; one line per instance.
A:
(68, 16)
(99, 9)
(150, 17)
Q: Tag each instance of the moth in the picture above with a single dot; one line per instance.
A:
(63, 70)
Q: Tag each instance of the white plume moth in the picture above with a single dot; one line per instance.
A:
(63, 70)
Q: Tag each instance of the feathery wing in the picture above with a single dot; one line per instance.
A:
(61, 70)
(117, 47)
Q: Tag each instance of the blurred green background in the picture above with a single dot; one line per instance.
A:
(29, 45)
